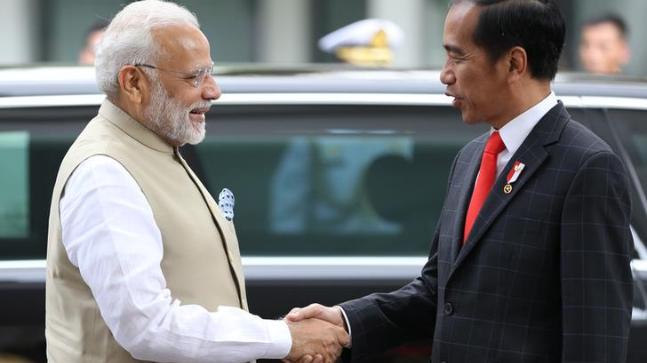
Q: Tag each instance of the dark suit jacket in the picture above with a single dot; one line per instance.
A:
(544, 275)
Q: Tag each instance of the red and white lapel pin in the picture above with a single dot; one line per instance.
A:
(513, 175)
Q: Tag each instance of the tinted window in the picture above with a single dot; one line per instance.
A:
(632, 130)
(32, 145)
(308, 180)
(333, 180)
(14, 184)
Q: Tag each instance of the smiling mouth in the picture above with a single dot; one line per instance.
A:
(198, 113)
(456, 102)
(453, 96)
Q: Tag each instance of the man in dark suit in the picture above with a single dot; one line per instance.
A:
(530, 258)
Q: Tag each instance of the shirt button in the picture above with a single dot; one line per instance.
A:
(448, 309)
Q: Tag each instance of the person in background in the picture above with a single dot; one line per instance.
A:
(92, 38)
(319, 183)
(142, 263)
(603, 45)
(368, 42)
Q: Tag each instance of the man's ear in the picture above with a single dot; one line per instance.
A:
(518, 63)
(133, 84)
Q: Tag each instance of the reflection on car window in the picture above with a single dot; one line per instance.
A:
(334, 181)
(319, 185)
(14, 184)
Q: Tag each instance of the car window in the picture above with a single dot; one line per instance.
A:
(333, 180)
(308, 180)
(14, 184)
(631, 134)
(632, 130)
(32, 144)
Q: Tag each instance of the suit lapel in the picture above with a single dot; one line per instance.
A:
(533, 154)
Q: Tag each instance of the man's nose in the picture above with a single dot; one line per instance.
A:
(211, 90)
(446, 76)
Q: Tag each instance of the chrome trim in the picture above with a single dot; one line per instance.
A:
(639, 245)
(638, 316)
(614, 102)
(271, 268)
(332, 268)
(640, 267)
(23, 271)
(404, 99)
(412, 99)
(288, 268)
(51, 101)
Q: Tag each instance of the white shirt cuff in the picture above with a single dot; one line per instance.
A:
(350, 336)
(280, 338)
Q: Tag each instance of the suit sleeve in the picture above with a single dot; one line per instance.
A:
(596, 245)
(384, 320)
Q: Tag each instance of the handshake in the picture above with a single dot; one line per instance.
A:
(318, 334)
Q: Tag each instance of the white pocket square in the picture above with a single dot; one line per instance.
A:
(226, 203)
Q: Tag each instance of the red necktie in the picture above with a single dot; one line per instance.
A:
(484, 181)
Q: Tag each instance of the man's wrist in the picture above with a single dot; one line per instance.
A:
(280, 339)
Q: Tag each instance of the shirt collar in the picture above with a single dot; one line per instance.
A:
(515, 132)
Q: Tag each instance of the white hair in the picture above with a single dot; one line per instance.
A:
(128, 39)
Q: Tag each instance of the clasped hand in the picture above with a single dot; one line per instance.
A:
(318, 334)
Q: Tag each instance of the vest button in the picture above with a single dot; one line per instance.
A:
(448, 309)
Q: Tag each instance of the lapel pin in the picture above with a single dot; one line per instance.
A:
(513, 175)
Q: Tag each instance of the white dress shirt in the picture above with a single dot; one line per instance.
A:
(103, 211)
(515, 132)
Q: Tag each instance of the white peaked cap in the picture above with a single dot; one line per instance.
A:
(360, 33)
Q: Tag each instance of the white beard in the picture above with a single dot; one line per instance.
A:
(168, 118)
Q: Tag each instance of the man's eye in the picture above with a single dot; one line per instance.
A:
(456, 60)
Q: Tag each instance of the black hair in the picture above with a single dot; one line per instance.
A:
(535, 25)
(613, 19)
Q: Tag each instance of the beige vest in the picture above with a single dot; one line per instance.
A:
(201, 260)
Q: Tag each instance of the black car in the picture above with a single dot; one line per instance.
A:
(339, 176)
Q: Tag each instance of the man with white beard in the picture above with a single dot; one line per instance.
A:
(142, 264)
